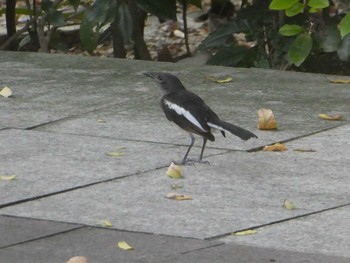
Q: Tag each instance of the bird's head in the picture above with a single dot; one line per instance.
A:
(166, 81)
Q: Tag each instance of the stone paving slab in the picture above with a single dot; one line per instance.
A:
(14, 230)
(325, 233)
(45, 163)
(45, 91)
(296, 111)
(100, 245)
(237, 191)
(248, 254)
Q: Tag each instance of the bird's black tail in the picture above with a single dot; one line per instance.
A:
(238, 131)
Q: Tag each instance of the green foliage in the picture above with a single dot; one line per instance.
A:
(219, 37)
(290, 30)
(53, 16)
(282, 4)
(297, 32)
(164, 9)
(344, 25)
(300, 49)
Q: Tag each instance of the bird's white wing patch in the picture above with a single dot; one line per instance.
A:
(181, 111)
(212, 125)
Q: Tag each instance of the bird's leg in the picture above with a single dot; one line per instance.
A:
(184, 161)
(201, 155)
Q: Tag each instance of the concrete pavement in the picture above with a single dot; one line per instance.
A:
(67, 112)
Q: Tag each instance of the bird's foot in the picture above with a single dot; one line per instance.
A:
(193, 162)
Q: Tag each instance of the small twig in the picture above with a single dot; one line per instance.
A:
(184, 17)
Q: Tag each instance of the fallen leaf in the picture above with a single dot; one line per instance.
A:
(287, 204)
(6, 92)
(106, 223)
(178, 197)
(101, 121)
(78, 259)
(220, 80)
(340, 81)
(176, 186)
(179, 33)
(124, 245)
(114, 154)
(277, 147)
(267, 120)
(7, 177)
(336, 117)
(304, 150)
(174, 171)
(245, 232)
(120, 147)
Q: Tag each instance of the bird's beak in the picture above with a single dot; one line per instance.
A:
(149, 74)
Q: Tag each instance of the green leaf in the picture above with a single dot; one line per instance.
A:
(228, 56)
(197, 3)
(290, 30)
(74, 3)
(295, 9)
(318, 3)
(24, 42)
(282, 4)
(344, 48)
(329, 39)
(125, 22)
(344, 25)
(219, 37)
(300, 49)
(88, 35)
(102, 11)
(314, 10)
(164, 9)
(55, 18)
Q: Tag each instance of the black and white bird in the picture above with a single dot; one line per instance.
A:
(191, 113)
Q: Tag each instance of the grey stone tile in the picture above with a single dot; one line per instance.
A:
(100, 245)
(15, 230)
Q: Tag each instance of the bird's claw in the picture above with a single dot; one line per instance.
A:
(193, 162)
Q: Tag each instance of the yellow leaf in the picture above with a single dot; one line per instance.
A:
(267, 120)
(77, 260)
(277, 147)
(7, 177)
(340, 81)
(287, 204)
(223, 80)
(106, 223)
(101, 121)
(6, 92)
(245, 232)
(174, 171)
(336, 117)
(114, 154)
(178, 197)
(120, 147)
(304, 150)
(176, 186)
(124, 245)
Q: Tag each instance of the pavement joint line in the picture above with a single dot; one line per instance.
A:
(131, 140)
(34, 198)
(82, 226)
(45, 236)
(259, 148)
(279, 221)
(74, 116)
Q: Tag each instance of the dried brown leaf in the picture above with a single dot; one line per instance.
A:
(335, 117)
(267, 120)
(277, 147)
